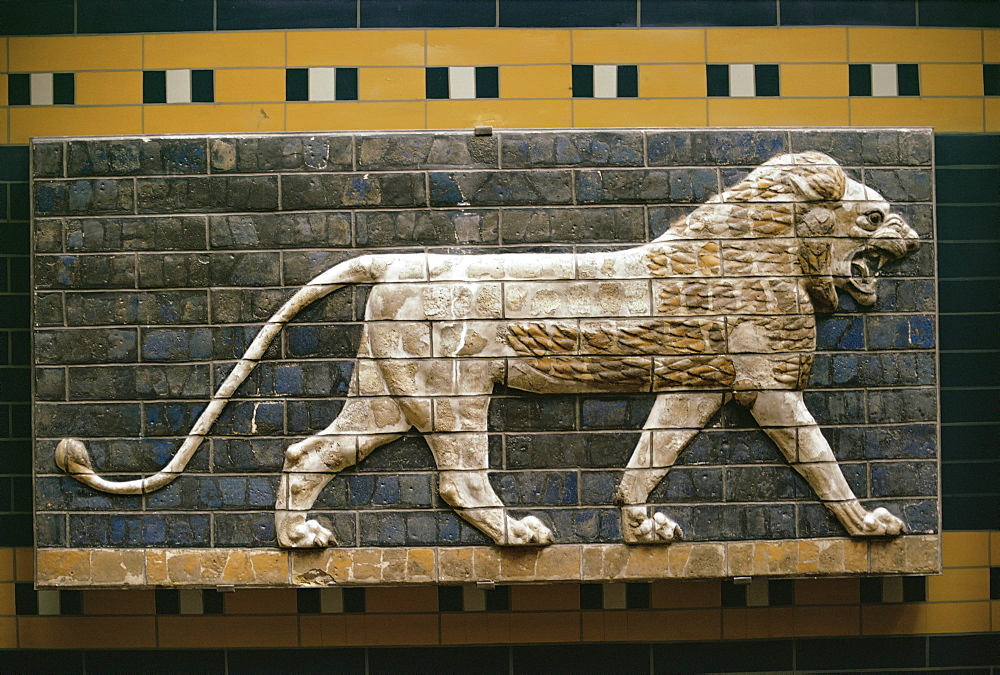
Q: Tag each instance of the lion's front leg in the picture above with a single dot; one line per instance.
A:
(674, 420)
(784, 417)
(312, 463)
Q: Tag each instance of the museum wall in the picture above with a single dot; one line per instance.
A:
(83, 67)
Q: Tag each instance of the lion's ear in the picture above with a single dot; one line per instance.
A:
(823, 182)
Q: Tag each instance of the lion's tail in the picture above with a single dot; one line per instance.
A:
(73, 458)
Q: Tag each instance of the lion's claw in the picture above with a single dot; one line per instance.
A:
(881, 523)
(638, 528)
(528, 531)
(306, 534)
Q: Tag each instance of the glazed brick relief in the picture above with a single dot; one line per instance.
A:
(157, 260)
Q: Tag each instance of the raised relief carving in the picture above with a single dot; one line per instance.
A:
(720, 307)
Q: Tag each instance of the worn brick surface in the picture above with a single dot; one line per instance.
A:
(157, 260)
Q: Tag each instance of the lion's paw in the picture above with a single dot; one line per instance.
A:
(638, 528)
(881, 523)
(528, 531)
(305, 534)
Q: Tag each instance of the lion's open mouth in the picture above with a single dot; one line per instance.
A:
(865, 266)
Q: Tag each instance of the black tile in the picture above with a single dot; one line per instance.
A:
(428, 14)
(871, 590)
(960, 512)
(964, 650)
(860, 79)
(968, 186)
(14, 162)
(995, 583)
(907, 79)
(144, 16)
(718, 79)
(583, 81)
(991, 79)
(914, 589)
(346, 84)
(487, 82)
(308, 601)
(780, 593)
(477, 659)
(766, 80)
(965, 296)
(744, 656)
(709, 13)
(628, 81)
(15, 528)
(498, 599)
(437, 83)
(964, 149)
(962, 13)
(450, 599)
(354, 600)
(637, 596)
(972, 405)
(842, 653)
(154, 86)
(297, 84)
(63, 89)
(25, 599)
(969, 259)
(168, 601)
(202, 86)
(605, 658)
(18, 89)
(965, 369)
(275, 14)
(338, 660)
(42, 661)
(20, 17)
(591, 596)
(848, 12)
(211, 602)
(567, 13)
(70, 603)
(123, 661)
(733, 594)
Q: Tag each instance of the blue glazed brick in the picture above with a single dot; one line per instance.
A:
(840, 333)
(901, 442)
(170, 419)
(175, 530)
(837, 407)
(69, 271)
(400, 491)
(586, 525)
(232, 342)
(206, 493)
(331, 341)
(132, 455)
(84, 197)
(904, 479)
(263, 418)
(90, 419)
(685, 484)
(543, 488)
(533, 413)
(762, 484)
(244, 530)
(598, 487)
(336, 493)
(62, 493)
(50, 529)
(168, 344)
(847, 442)
(556, 451)
(900, 332)
(902, 405)
(409, 453)
(311, 416)
(614, 413)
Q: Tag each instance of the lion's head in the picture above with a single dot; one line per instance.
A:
(846, 231)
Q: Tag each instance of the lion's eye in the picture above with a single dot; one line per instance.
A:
(875, 217)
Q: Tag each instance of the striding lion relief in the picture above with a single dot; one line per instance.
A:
(721, 307)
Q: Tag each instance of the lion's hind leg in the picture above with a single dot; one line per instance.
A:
(674, 420)
(363, 425)
(784, 417)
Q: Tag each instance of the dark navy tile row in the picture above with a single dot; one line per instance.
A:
(58, 17)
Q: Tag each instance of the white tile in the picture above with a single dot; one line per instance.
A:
(741, 79)
(191, 600)
(473, 599)
(331, 600)
(179, 86)
(614, 594)
(884, 80)
(41, 88)
(322, 84)
(48, 601)
(605, 81)
(461, 82)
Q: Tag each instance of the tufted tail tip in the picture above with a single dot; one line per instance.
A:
(72, 457)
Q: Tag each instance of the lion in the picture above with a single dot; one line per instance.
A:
(720, 307)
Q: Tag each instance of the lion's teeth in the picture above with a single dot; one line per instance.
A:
(881, 261)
